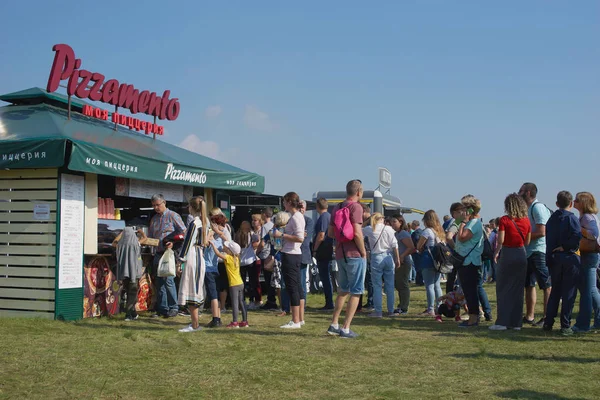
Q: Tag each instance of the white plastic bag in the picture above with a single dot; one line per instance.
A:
(166, 265)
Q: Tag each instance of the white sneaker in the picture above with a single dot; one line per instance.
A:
(497, 328)
(190, 329)
(291, 325)
(301, 323)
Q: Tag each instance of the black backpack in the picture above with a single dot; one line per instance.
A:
(488, 252)
(442, 257)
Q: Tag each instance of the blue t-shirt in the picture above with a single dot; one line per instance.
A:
(211, 261)
(475, 243)
(322, 225)
(538, 214)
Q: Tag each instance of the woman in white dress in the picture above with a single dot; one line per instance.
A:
(191, 285)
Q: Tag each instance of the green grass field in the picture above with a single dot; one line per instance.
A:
(406, 357)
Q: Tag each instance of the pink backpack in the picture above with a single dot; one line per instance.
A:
(344, 231)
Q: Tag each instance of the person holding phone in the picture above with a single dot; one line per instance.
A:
(469, 244)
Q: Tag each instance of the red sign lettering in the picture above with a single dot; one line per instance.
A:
(91, 85)
(125, 120)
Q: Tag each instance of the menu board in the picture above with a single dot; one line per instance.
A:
(70, 266)
(146, 189)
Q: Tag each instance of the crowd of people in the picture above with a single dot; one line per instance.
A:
(530, 245)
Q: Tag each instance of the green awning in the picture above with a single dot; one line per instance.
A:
(91, 145)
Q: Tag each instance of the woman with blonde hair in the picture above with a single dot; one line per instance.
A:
(514, 233)
(382, 242)
(248, 243)
(191, 284)
(432, 234)
(254, 272)
(589, 297)
(469, 245)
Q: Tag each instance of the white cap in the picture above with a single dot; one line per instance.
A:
(233, 246)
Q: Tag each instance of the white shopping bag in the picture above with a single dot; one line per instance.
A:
(166, 265)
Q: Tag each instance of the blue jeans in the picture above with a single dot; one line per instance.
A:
(285, 299)
(482, 295)
(431, 278)
(382, 266)
(564, 273)
(325, 275)
(303, 270)
(166, 294)
(351, 275)
(589, 297)
(418, 268)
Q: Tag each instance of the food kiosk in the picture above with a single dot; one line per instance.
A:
(71, 176)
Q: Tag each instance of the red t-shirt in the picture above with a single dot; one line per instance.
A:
(356, 217)
(512, 237)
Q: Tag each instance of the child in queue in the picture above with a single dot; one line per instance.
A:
(231, 258)
(451, 304)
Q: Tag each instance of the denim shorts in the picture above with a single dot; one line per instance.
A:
(210, 283)
(351, 275)
(537, 271)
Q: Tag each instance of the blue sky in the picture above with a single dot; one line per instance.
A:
(452, 97)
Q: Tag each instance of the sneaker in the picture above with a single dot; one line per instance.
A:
(529, 321)
(183, 313)
(233, 325)
(497, 328)
(566, 331)
(172, 313)
(302, 323)
(438, 318)
(244, 324)
(575, 329)
(325, 309)
(349, 335)
(291, 325)
(427, 314)
(155, 315)
(487, 316)
(547, 328)
(400, 311)
(128, 319)
(516, 328)
(375, 315)
(393, 314)
(540, 322)
(250, 307)
(223, 310)
(333, 331)
(189, 328)
(215, 323)
(458, 318)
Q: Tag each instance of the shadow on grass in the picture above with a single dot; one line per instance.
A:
(531, 394)
(525, 357)
(527, 335)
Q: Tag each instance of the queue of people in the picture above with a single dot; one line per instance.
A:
(529, 245)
